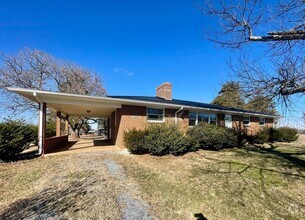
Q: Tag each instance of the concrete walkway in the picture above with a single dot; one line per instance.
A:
(85, 145)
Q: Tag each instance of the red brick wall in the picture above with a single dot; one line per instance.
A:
(134, 117)
(182, 118)
(269, 122)
(54, 143)
(129, 117)
(254, 126)
(164, 91)
(237, 122)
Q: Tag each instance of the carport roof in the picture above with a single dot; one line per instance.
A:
(102, 106)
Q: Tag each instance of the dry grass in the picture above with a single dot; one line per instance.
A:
(252, 183)
(61, 187)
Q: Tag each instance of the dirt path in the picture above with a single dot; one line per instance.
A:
(89, 185)
(133, 208)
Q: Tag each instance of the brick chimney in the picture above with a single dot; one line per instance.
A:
(164, 91)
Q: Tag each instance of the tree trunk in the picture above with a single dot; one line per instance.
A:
(74, 133)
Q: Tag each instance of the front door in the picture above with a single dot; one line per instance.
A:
(228, 121)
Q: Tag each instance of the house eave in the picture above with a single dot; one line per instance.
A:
(54, 98)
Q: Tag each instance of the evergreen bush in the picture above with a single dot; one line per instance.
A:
(285, 134)
(263, 136)
(15, 136)
(164, 139)
(135, 141)
(206, 136)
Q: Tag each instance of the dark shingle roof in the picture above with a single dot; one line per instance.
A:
(187, 103)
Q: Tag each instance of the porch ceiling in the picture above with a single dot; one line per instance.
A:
(71, 104)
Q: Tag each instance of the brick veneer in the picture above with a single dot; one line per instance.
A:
(164, 91)
(134, 117)
(127, 118)
(53, 143)
(254, 126)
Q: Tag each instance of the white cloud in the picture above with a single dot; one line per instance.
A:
(123, 71)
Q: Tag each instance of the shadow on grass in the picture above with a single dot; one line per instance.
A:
(102, 142)
(200, 216)
(28, 155)
(273, 150)
(49, 203)
(263, 178)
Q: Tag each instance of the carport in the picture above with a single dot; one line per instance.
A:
(68, 105)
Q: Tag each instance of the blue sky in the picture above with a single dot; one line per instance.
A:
(134, 45)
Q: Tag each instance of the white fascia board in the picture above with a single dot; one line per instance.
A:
(119, 101)
(196, 109)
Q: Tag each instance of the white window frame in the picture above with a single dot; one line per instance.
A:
(208, 114)
(259, 121)
(209, 118)
(196, 119)
(247, 120)
(215, 118)
(228, 119)
(156, 121)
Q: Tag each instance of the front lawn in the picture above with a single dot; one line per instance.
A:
(251, 183)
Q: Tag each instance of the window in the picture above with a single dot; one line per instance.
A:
(246, 121)
(213, 119)
(203, 117)
(261, 121)
(192, 118)
(154, 114)
(228, 121)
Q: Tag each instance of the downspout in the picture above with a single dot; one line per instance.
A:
(176, 113)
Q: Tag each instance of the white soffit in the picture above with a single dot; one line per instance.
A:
(100, 106)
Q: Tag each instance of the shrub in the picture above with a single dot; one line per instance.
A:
(135, 141)
(15, 136)
(263, 136)
(285, 134)
(50, 129)
(215, 137)
(165, 139)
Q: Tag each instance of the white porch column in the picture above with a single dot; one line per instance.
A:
(42, 127)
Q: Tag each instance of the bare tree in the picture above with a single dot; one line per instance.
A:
(276, 31)
(243, 21)
(28, 69)
(35, 69)
(281, 81)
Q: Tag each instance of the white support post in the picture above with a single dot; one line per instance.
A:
(41, 127)
(40, 138)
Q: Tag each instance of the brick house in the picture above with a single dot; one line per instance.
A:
(162, 108)
(128, 112)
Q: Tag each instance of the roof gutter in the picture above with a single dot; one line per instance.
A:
(18, 90)
(176, 113)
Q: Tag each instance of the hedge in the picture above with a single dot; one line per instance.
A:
(15, 136)
(162, 139)
(206, 136)
(285, 134)
(165, 139)
(282, 134)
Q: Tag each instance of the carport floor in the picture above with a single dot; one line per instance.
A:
(84, 145)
